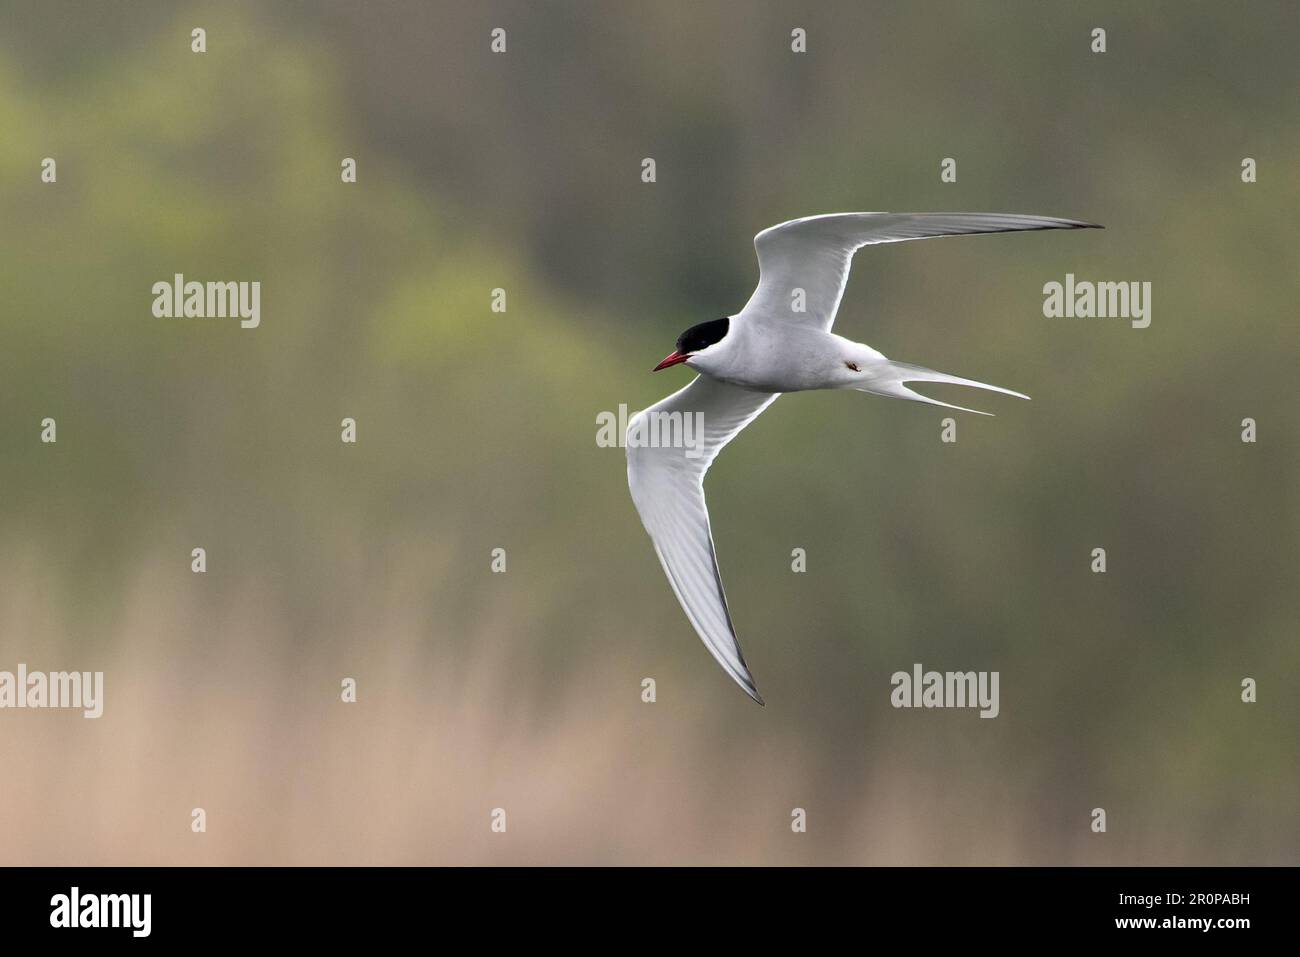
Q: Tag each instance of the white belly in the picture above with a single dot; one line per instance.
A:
(780, 357)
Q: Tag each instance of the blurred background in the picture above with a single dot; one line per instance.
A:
(476, 430)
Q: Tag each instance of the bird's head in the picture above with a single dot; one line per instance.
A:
(695, 341)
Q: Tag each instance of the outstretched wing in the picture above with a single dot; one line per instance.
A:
(813, 253)
(667, 484)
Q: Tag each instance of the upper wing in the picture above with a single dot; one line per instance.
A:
(667, 484)
(813, 253)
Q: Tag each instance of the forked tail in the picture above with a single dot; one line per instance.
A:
(889, 378)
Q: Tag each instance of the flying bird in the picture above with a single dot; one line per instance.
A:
(745, 361)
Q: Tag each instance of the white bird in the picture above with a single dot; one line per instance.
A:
(745, 361)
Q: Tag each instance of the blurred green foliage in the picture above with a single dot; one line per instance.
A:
(477, 429)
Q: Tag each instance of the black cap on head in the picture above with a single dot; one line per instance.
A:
(702, 336)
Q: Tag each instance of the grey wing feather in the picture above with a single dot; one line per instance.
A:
(667, 486)
(814, 253)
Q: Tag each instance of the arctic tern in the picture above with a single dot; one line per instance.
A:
(780, 342)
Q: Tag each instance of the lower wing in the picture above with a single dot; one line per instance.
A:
(666, 479)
